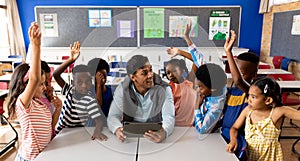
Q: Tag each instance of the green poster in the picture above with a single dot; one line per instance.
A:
(154, 22)
(219, 24)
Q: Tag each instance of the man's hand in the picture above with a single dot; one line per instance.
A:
(120, 135)
(229, 42)
(156, 136)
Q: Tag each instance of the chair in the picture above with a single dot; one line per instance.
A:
(294, 149)
(4, 121)
(285, 63)
(264, 66)
(3, 85)
(287, 101)
(15, 56)
(277, 61)
(117, 64)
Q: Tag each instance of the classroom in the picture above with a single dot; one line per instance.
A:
(143, 80)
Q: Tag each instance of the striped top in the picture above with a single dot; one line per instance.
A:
(36, 128)
(77, 108)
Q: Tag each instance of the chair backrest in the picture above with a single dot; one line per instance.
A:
(1, 107)
(282, 77)
(15, 56)
(117, 64)
(3, 85)
(277, 61)
(285, 63)
(264, 66)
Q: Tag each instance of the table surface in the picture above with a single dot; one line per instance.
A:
(5, 77)
(186, 144)
(76, 144)
(289, 86)
(9, 60)
(266, 72)
(183, 144)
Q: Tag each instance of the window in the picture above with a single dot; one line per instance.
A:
(4, 38)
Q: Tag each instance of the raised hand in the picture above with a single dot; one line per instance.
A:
(75, 50)
(35, 34)
(187, 31)
(172, 51)
(230, 41)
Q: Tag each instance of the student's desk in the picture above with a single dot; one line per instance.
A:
(184, 144)
(289, 86)
(9, 60)
(76, 144)
(264, 72)
(272, 71)
(5, 77)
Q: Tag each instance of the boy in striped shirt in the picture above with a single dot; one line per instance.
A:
(79, 103)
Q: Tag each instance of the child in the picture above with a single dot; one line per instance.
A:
(100, 68)
(26, 86)
(184, 95)
(52, 102)
(79, 103)
(210, 84)
(243, 71)
(262, 118)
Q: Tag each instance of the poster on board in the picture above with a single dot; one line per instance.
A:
(177, 25)
(154, 23)
(49, 25)
(125, 28)
(296, 25)
(219, 24)
(100, 18)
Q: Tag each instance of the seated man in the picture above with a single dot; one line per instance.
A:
(142, 97)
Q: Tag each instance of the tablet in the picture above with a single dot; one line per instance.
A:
(139, 128)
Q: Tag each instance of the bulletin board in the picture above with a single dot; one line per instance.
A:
(73, 25)
(203, 14)
(283, 42)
